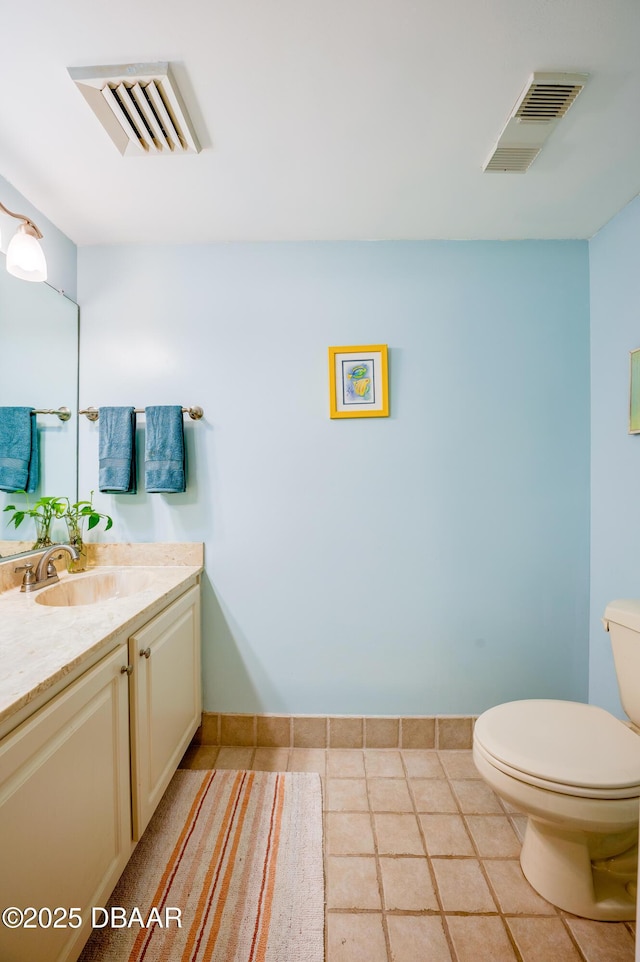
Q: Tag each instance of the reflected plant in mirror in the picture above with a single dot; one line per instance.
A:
(42, 512)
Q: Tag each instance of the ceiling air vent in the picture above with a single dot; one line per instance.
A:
(139, 106)
(539, 108)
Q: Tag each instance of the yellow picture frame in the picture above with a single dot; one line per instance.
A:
(359, 381)
(634, 391)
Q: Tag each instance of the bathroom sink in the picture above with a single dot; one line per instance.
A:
(95, 588)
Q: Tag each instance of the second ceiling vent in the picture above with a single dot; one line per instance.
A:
(140, 107)
(538, 110)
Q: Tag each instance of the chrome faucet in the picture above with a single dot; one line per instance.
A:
(46, 573)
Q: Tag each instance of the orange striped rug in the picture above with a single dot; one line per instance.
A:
(238, 856)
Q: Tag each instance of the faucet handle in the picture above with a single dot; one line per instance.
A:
(51, 568)
(29, 575)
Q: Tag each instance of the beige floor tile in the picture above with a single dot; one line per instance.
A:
(352, 882)
(462, 886)
(407, 884)
(603, 941)
(543, 940)
(458, 764)
(355, 938)
(235, 759)
(199, 756)
(493, 835)
(417, 939)
(476, 798)
(345, 763)
(515, 895)
(349, 834)
(398, 835)
(478, 939)
(383, 763)
(271, 760)
(307, 760)
(422, 764)
(389, 795)
(347, 795)
(433, 795)
(446, 835)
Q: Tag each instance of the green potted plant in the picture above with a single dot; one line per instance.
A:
(43, 512)
(75, 516)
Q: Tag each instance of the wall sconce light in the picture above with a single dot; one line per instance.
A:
(25, 257)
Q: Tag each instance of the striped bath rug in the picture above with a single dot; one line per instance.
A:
(236, 857)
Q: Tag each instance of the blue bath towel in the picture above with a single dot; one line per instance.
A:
(117, 450)
(19, 462)
(164, 462)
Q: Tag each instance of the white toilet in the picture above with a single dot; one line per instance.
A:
(574, 769)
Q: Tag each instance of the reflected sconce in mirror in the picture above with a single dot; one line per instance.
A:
(25, 257)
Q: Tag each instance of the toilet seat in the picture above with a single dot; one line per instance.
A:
(566, 747)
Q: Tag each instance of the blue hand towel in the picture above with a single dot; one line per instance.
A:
(164, 465)
(117, 450)
(19, 463)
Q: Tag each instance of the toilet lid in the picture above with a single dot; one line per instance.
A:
(562, 742)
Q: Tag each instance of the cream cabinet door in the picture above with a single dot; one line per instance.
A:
(65, 822)
(166, 700)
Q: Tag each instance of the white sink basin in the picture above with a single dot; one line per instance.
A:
(95, 588)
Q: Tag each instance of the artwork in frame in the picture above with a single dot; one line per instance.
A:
(634, 391)
(358, 381)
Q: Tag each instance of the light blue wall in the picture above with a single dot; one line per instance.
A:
(615, 462)
(432, 562)
(58, 249)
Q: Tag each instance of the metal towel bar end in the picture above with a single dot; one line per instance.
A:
(63, 413)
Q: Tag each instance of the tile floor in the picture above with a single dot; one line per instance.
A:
(421, 862)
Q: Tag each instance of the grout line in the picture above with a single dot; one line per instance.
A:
(430, 868)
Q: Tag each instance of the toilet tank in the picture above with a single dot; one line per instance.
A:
(622, 621)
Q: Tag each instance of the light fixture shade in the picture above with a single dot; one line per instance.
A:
(25, 257)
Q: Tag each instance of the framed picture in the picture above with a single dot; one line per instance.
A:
(358, 381)
(634, 391)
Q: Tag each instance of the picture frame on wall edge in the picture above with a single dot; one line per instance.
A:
(359, 381)
(634, 391)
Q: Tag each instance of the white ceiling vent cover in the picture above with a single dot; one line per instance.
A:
(538, 110)
(139, 106)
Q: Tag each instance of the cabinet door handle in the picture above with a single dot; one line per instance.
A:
(145, 652)
(126, 669)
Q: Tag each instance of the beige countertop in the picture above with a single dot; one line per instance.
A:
(42, 647)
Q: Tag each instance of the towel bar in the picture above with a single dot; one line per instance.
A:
(195, 412)
(63, 413)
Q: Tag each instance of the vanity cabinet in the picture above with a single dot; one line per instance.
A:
(165, 701)
(65, 822)
(82, 776)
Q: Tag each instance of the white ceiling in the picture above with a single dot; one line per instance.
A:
(324, 119)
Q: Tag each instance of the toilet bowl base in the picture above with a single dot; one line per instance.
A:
(558, 865)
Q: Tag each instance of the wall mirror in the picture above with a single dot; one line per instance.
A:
(39, 369)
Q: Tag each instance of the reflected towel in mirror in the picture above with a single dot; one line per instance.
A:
(19, 461)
